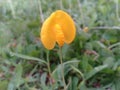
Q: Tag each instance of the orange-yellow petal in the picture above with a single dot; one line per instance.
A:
(59, 27)
(59, 35)
(47, 34)
(67, 25)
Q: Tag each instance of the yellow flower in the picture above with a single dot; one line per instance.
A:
(58, 27)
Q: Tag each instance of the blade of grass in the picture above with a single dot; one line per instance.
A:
(27, 57)
(94, 71)
(77, 70)
(65, 63)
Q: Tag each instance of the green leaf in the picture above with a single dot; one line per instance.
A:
(3, 85)
(27, 57)
(71, 62)
(17, 79)
(100, 44)
(73, 83)
(43, 79)
(94, 71)
(78, 71)
(43, 82)
(109, 61)
(117, 84)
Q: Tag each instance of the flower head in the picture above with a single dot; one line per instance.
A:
(58, 27)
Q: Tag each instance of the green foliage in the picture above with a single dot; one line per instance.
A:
(91, 62)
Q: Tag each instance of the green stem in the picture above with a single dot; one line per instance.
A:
(49, 70)
(62, 67)
(61, 5)
(114, 45)
(48, 63)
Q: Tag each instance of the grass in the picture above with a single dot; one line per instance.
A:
(91, 62)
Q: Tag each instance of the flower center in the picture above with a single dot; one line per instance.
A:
(59, 35)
